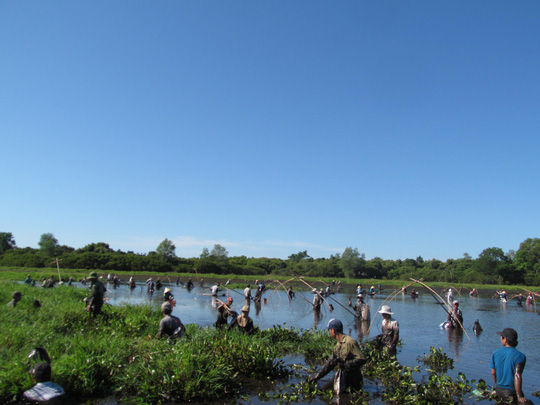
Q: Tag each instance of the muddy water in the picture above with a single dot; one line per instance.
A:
(419, 321)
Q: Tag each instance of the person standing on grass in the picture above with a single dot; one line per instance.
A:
(15, 298)
(507, 364)
(44, 390)
(170, 326)
(97, 294)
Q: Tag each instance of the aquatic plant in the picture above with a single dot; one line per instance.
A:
(437, 360)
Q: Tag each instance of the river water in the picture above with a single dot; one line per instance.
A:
(419, 321)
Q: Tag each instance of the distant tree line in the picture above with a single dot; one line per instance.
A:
(492, 266)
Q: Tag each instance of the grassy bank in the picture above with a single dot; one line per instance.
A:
(118, 354)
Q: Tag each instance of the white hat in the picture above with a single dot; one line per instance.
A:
(386, 310)
(166, 290)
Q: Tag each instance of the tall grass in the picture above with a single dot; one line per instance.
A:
(118, 354)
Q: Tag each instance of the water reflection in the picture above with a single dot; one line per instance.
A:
(316, 317)
(455, 338)
(362, 329)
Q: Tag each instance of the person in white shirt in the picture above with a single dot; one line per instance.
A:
(215, 289)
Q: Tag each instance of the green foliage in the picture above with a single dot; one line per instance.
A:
(297, 257)
(492, 266)
(437, 360)
(219, 254)
(117, 353)
(527, 260)
(48, 244)
(166, 249)
(7, 242)
(352, 262)
(100, 247)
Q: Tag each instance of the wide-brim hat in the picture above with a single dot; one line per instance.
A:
(166, 290)
(314, 290)
(245, 308)
(386, 310)
(92, 275)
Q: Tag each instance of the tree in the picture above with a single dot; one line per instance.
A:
(166, 249)
(297, 257)
(48, 244)
(219, 253)
(7, 242)
(205, 254)
(527, 260)
(100, 247)
(492, 262)
(352, 262)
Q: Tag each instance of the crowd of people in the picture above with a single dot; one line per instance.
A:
(507, 363)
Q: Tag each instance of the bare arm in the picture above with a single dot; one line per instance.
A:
(494, 375)
(518, 382)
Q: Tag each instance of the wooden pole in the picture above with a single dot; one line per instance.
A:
(310, 303)
(320, 296)
(431, 290)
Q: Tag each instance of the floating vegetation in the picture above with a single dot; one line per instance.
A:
(438, 361)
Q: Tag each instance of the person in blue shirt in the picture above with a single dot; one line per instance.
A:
(507, 364)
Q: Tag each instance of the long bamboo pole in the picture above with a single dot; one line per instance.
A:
(310, 303)
(343, 306)
(229, 289)
(225, 306)
(58, 269)
(320, 296)
(431, 290)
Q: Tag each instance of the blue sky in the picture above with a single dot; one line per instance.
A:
(402, 129)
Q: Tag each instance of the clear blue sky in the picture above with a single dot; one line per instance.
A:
(402, 129)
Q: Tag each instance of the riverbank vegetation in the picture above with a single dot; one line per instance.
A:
(492, 266)
(118, 354)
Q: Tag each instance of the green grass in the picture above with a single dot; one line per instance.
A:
(118, 354)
